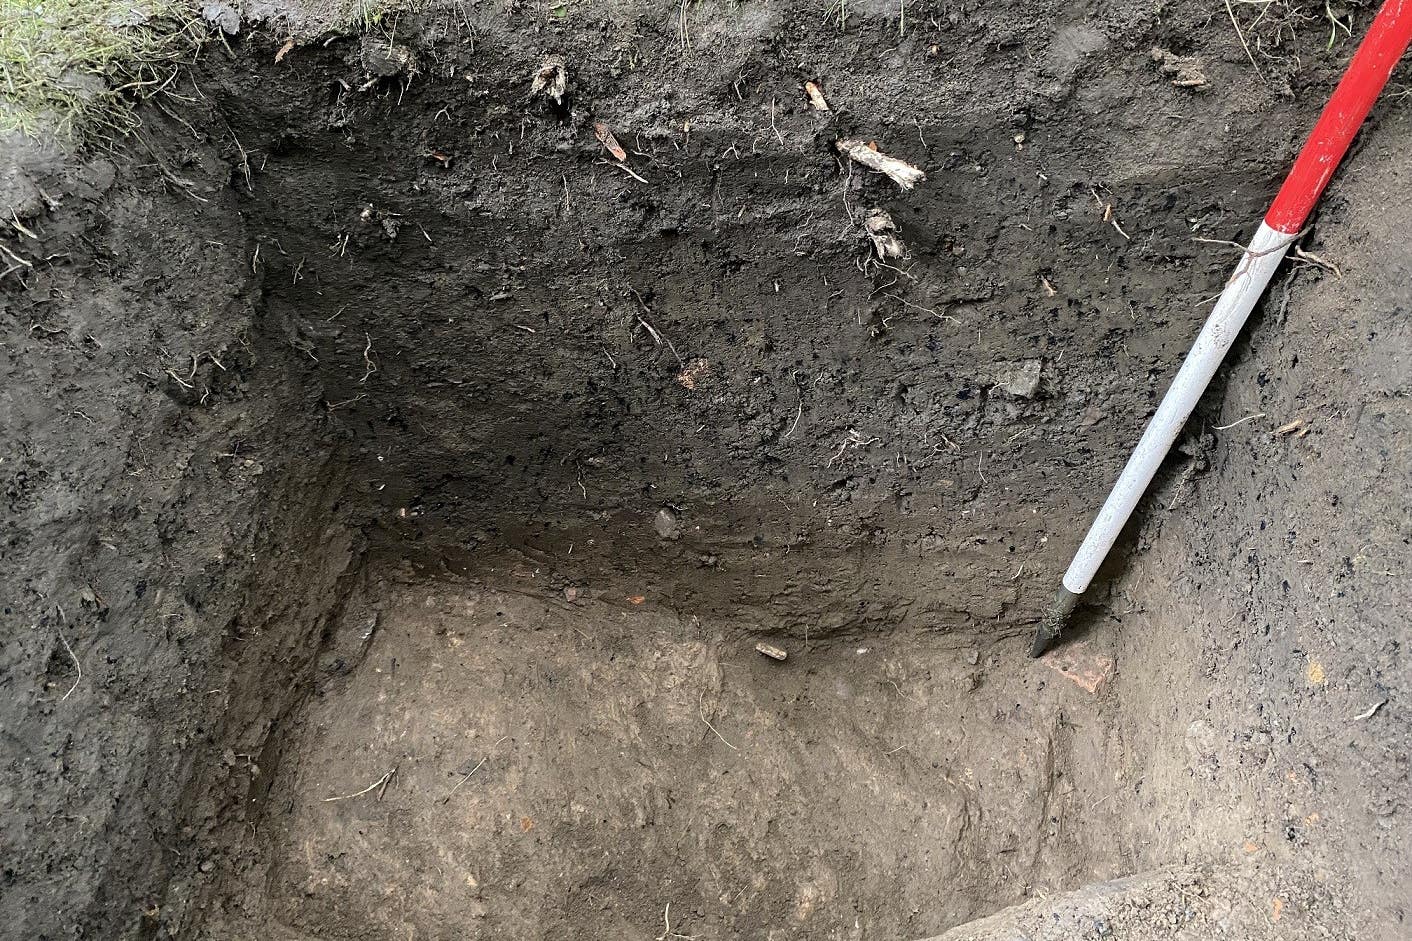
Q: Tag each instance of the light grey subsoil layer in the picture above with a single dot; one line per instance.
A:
(308, 361)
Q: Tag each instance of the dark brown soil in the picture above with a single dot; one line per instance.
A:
(573, 768)
(411, 486)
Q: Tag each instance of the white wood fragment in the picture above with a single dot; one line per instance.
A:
(899, 171)
(771, 651)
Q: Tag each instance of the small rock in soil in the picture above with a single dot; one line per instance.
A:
(222, 15)
(386, 60)
(883, 231)
(667, 523)
(1186, 71)
(1020, 379)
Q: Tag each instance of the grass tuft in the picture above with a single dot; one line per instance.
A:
(72, 66)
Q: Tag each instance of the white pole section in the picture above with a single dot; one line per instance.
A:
(1242, 291)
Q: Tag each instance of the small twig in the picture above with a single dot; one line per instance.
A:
(1197, 238)
(658, 337)
(467, 776)
(1240, 421)
(1315, 260)
(356, 398)
(380, 782)
(625, 168)
(20, 226)
(16, 258)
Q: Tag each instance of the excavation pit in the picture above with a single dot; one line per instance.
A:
(402, 479)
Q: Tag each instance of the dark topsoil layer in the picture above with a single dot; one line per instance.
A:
(295, 323)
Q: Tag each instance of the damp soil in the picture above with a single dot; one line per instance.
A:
(578, 767)
(397, 488)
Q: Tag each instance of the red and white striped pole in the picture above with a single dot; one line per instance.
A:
(1349, 105)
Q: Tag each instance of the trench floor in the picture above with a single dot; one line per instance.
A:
(492, 760)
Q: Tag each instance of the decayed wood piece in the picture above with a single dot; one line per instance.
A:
(899, 171)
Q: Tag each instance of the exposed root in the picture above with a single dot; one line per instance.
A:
(1239, 421)
(370, 365)
(72, 656)
(1240, 34)
(379, 783)
(701, 708)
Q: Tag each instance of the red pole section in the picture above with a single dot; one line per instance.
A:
(1360, 86)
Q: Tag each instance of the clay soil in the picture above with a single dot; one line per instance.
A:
(397, 487)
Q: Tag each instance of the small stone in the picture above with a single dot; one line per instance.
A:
(223, 15)
(883, 233)
(382, 59)
(207, 865)
(1185, 71)
(667, 523)
(973, 656)
(1020, 379)
(771, 651)
(693, 373)
(571, 594)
